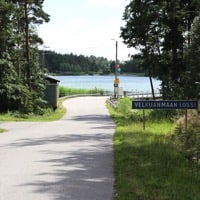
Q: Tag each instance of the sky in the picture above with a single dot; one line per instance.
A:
(86, 27)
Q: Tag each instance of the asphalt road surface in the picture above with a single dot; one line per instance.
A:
(69, 159)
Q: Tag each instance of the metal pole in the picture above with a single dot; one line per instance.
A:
(116, 52)
(186, 120)
(144, 122)
(116, 61)
(152, 89)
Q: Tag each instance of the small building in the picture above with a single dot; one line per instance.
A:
(51, 93)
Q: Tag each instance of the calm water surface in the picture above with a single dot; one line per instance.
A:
(128, 83)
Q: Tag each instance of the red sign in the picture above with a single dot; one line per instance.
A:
(116, 65)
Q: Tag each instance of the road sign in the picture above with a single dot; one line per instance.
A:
(117, 65)
(115, 85)
(117, 68)
(165, 104)
(116, 81)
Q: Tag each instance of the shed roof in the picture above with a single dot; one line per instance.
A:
(51, 79)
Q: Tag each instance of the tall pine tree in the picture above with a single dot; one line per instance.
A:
(19, 48)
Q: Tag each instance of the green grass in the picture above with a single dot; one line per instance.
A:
(64, 91)
(49, 115)
(147, 165)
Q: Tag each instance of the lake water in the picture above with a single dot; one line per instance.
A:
(128, 83)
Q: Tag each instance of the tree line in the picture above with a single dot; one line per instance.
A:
(72, 64)
(167, 34)
(21, 76)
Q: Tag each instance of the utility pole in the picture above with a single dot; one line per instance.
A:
(116, 81)
(116, 52)
(43, 53)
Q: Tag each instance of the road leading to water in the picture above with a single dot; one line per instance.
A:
(69, 159)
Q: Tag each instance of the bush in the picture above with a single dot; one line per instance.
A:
(188, 140)
(124, 105)
(157, 115)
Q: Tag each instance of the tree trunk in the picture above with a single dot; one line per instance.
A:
(152, 89)
(27, 41)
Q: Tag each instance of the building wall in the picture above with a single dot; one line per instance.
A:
(52, 94)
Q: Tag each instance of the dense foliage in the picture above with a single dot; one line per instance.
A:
(73, 64)
(70, 64)
(21, 78)
(167, 34)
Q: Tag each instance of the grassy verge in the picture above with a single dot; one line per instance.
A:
(148, 166)
(64, 91)
(49, 115)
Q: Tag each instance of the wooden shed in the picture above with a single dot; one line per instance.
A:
(51, 93)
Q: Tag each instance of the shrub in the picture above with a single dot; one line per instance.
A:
(124, 105)
(188, 139)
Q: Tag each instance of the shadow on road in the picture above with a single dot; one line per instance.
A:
(80, 169)
(79, 176)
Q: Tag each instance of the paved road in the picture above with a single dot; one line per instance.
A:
(69, 159)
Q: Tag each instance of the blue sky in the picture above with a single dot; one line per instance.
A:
(85, 27)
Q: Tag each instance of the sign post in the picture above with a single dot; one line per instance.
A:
(116, 87)
(144, 122)
(165, 104)
(186, 119)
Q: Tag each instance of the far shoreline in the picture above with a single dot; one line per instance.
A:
(98, 74)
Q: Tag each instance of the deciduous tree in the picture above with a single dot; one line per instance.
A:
(159, 29)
